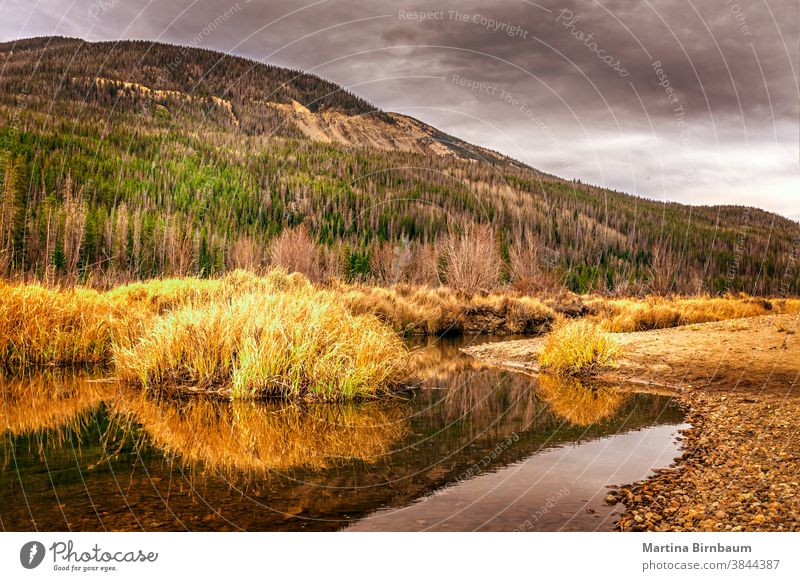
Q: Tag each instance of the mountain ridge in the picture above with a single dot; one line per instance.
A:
(458, 144)
(159, 129)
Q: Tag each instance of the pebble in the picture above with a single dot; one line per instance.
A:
(738, 471)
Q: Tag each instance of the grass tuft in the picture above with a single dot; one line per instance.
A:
(577, 348)
(302, 344)
(46, 327)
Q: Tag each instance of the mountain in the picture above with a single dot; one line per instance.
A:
(132, 159)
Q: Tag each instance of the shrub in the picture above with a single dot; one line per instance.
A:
(295, 251)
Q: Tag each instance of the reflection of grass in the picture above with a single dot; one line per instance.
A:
(255, 437)
(578, 404)
(48, 402)
(577, 348)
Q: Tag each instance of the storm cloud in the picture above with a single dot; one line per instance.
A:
(675, 100)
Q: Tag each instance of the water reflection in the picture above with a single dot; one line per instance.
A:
(121, 460)
(256, 437)
(579, 404)
(54, 402)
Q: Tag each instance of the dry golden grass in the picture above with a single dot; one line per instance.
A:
(579, 405)
(242, 335)
(42, 326)
(577, 348)
(50, 326)
(255, 437)
(412, 310)
(420, 310)
(246, 335)
(268, 344)
(159, 296)
(630, 315)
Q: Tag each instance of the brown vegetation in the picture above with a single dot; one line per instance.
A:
(657, 312)
(472, 259)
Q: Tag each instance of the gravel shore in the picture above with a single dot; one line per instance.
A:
(740, 469)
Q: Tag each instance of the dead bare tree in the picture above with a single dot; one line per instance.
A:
(245, 253)
(73, 210)
(296, 251)
(524, 259)
(391, 263)
(663, 269)
(472, 259)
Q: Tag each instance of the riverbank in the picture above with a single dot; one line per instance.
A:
(739, 382)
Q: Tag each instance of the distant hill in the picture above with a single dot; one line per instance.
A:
(136, 158)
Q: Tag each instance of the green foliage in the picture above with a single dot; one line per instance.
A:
(171, 185)
(356, 265)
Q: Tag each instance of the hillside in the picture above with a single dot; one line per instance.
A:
(133, 159)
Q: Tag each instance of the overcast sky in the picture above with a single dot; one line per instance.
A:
(686, 100)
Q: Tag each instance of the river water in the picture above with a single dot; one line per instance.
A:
(474, 448)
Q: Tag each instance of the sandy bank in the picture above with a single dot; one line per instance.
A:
(739, 381)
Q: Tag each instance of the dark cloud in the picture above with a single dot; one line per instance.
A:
(716, 122)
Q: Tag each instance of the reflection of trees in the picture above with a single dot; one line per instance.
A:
(581, 405)
(477, 400)
(435, 358)
(49, 402)
(255, 437)
(373, 455)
